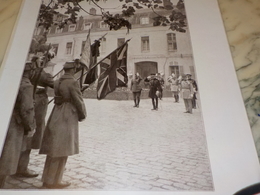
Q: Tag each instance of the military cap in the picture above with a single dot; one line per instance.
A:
(69, 65)
(188, 74)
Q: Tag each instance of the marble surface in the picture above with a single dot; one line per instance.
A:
(241, 21)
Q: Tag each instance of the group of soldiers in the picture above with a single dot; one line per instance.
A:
(27, 129)
(184, 85)
(188, 87)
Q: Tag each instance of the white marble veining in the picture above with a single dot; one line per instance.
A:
(241, 21)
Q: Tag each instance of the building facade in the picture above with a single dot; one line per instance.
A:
(152, 49)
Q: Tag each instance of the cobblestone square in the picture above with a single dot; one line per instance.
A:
(127, 148)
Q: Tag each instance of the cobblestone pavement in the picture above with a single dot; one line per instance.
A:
(126, 148)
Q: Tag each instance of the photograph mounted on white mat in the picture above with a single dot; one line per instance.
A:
(116, 100)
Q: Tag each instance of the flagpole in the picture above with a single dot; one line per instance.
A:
(62, 69)
(99, 62)
(106, 56)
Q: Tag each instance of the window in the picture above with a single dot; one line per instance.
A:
(145, 44)
(55, 48)
(120, 41)
(175, 70)
(144, 20)
(103, 25)
(171, 41)
(68, 48)
(103, 45)
(72, 27)
(58, 30)
(86, 26)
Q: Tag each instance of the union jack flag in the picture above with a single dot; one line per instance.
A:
(113, 72)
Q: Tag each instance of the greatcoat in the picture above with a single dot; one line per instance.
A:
(61, 136)
(22, 121)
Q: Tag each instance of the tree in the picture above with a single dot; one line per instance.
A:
(50, 12)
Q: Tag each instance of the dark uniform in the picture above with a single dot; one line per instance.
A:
(195, 87)
(155, 86)
(22, 122)
(60, 138)
(42, 80)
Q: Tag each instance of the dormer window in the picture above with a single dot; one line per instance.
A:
(144, 20)
(72, 27)
(86, 26)
(58, 30)
(103, 25)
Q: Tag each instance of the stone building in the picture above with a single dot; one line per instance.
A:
(152, 49)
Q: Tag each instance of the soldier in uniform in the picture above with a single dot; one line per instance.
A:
(174, 82)
(22, 124)
(155, 87)
(187, 93)
(195, 87)
(42, 80)
(61, 138)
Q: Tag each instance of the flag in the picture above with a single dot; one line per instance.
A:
(85, 60)
(112, 72)
(92, 72)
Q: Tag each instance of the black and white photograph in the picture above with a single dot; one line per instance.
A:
(109, 99)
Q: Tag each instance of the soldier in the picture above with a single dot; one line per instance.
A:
(174, 82)
(60, 138)
(155, 89)
(42, 80)
(22, 124)
(187, 93)
(195, 87)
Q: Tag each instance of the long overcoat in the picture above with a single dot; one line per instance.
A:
(22, 121)
(61, 136)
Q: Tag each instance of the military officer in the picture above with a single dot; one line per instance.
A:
(42, 80)
(61, 138)
(22, 124)
(187, 93)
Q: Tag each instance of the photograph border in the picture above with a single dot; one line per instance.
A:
(233, 158)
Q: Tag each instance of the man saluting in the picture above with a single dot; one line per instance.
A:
(61, 137)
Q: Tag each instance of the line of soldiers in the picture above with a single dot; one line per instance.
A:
(58, 140)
